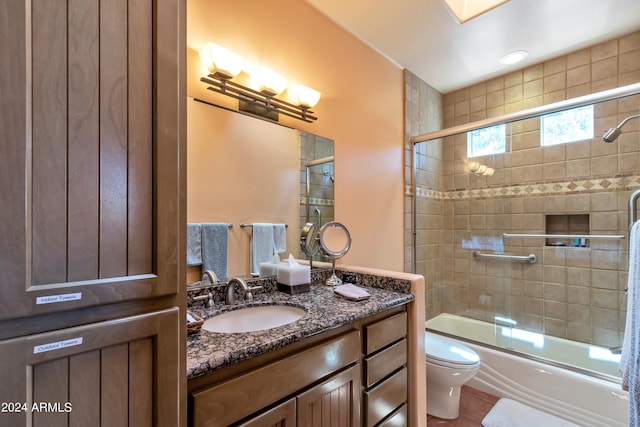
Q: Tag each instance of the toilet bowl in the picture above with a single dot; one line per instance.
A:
(450, 365)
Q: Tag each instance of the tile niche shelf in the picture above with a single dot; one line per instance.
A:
(567, 224)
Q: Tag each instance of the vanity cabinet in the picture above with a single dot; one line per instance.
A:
(355, 375)
(326, 404)
(385, 377)
(301, 376)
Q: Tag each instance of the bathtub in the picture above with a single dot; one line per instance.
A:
(589, 395)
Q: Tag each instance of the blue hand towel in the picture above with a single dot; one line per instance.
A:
(194, 244)
(262, 245)
(215, 240)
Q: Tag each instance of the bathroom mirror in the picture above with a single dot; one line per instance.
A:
(335, 242)
(244, 170)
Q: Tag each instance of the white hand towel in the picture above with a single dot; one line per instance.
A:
(261, 246)
(351, 292)
(279, 238)
(630, 359)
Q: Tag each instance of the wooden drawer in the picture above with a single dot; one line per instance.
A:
(246, 394)
(400, 418)
(384, 398)
(385, 332)
(385, 362)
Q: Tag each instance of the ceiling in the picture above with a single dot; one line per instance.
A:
(424, 37)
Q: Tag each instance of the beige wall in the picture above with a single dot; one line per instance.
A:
(361, 107)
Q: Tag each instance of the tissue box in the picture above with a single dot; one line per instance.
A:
(268, 269)
(293, 279)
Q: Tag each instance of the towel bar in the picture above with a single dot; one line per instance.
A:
(243, 225)
(567, 236)
(531, 258)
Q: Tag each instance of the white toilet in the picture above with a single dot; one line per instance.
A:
(450, 364)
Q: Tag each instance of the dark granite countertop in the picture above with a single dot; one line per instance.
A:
(207, 351)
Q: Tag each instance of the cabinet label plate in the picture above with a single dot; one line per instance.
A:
(56, 345)
(59, 298)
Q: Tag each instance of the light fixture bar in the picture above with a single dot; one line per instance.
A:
(254, 102)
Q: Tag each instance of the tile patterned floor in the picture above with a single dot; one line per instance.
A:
(474, 405)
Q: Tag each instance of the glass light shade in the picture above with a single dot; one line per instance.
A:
(268, 81)
(303, 96)
(220, 60)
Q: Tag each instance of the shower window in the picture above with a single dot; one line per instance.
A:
(567, 126)
(482, 142)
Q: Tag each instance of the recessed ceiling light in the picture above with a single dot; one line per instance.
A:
(513, 57)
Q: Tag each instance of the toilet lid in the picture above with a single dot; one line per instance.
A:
(445, 349)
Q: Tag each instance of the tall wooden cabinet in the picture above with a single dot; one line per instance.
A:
(92, 212)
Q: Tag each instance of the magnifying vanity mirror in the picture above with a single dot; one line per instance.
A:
(335, 241)
(309, 241)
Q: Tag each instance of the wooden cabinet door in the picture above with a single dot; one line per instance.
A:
(333, 403)
(114, 373)
(90, 149)
(283, 415)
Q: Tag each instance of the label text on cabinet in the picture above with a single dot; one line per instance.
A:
(56, 345)
(58, 298)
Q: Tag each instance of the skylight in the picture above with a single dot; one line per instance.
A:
(464, 10)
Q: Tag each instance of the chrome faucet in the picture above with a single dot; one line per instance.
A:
(209, 297)
(248, 290)
(210, 276)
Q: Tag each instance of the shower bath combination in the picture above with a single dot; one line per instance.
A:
(613, 133)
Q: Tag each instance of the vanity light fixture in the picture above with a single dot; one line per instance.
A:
(221, 61)
(268, 91)
(480, 169)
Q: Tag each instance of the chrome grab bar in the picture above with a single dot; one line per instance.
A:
(531, 258)
(567, 236)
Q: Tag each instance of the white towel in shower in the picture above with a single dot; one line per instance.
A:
(262, 245)
(630, 359)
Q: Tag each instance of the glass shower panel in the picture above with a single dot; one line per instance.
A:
(564, 203)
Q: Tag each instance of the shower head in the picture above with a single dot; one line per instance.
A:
(611, 134)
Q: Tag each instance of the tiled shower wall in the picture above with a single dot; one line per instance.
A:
(321, 186)
(577, 293)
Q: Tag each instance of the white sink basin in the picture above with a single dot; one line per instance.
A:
(253, 319)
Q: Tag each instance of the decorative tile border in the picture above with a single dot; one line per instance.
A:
(313, 201)
(537, 189)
